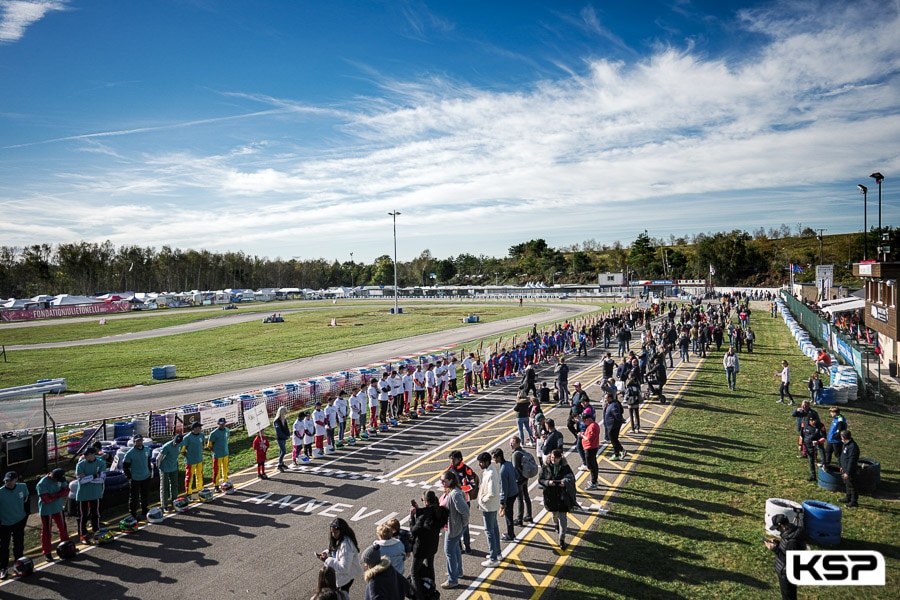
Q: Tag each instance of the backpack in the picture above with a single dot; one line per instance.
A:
(529, 465)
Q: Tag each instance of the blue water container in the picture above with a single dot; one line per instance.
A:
(158, 372)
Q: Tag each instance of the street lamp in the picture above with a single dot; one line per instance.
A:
(351, 269)
(865, 192)
(395, 214)
(878, 177)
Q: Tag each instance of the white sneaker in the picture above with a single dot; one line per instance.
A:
(491, 563)
(582, 468)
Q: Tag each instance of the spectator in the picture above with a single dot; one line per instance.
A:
(590, 442)
(633, 401)
(328, 583)
(383, 582)
(732, 365)
(391, 547)
(523, 500)
(562, 380)
(815, 388)
(613, 419)
(455, 502)
(785, 389)
(427, 522)
(523, 416)
(823, 361)
(558, 481)
(509, 491)
(342, 554)
(552, 440)
(468, 483)
(791, 539)
(490, 503)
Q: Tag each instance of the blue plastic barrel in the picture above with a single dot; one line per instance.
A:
(827, 396)
(822, 522)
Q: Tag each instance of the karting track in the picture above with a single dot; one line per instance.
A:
(77, 408)
(262, 540)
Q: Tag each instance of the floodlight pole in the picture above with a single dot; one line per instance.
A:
(865, 192)
(394, 214)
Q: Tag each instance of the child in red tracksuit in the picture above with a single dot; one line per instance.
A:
(261, 445)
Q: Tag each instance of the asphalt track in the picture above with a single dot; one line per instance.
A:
(261, 541)
(77, 408)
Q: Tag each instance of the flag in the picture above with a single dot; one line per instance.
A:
(796, 268)
(712, 269)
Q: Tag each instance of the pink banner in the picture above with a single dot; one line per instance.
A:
(65, 311)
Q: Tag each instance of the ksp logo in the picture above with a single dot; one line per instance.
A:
(835, 567)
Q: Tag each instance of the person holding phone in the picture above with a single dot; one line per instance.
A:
(342, 554)
(559, 492)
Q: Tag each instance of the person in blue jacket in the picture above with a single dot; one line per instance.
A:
(136, 466)
(51, 490)
(509, 491)
(14, 509)
(90, 473)
(834, 444)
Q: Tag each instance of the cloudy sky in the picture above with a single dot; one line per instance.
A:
(292, 127)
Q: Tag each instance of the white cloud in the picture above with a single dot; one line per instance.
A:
(17, 15)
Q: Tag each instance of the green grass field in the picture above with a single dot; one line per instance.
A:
(688, 523)
(238, 346)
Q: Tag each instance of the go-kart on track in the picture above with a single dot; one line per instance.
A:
(262, 539)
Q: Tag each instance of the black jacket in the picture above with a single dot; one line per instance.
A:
(791, 539)
(812, 433)
(850, 457)
(558, 498)
(426, 530)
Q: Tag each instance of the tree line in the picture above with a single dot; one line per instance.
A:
(737, 258)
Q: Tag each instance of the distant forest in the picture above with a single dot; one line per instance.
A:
(738, 258)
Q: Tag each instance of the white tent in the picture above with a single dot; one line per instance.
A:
(845, 306)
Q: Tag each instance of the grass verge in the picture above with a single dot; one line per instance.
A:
(688, 523)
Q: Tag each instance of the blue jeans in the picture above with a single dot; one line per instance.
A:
(524, 426)
(282, 450)
(731, 377)
(454, 556)
(492, 530)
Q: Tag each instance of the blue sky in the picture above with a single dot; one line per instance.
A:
(291, 128)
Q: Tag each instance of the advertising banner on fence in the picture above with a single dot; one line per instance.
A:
(209, 417)
(80, 310)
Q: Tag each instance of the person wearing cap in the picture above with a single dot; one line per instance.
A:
(192, 449)
(51, 490)
(136, 465)
(342, 406)
(590, 441)
(791, 539)
(320, 419)
(217, 444)
(167, 462)
(90, 474)
(383, 582)
(14, 510)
